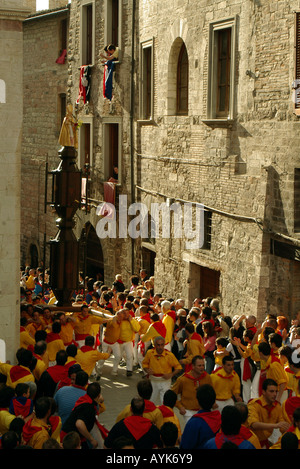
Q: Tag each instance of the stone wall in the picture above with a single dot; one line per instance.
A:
(44, 82)
(12, 15)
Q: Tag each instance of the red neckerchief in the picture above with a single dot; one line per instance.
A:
(252, 328)
(172, 314)
(231, 376)
(166, 411)
(146, 317)
(197, 379)
(51, 336)
(160, 328)
(196, 336)
(212, 418)
(86, 348)
(58, 372)
(149, 406)
(290, 405)
(85, 399)
(82, 318)
(21, 409)
(245, 432)
(18, 372)
(29, 430)
(137, 425)
(38, 357)
(54, 421)
(70, 363)
(22, 329)
(64, 382)
(220, 438)
(269, 408)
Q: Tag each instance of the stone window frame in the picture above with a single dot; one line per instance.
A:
(86, 120)
(146, 46)
(172, 77)
(214, 28)
(83, 32)
(105, 141)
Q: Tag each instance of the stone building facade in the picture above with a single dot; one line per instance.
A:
(12, 15)
(45, 89)
(203, 112)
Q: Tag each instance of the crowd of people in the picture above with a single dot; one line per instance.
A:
(232, 380)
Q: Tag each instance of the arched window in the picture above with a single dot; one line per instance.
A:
(182, 81)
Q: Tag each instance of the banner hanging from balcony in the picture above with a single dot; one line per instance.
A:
(109, 68)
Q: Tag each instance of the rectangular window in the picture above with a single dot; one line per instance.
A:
(297, 200)
(62, 108)
(112, 149)
(85, 144)
(113, 22)
(87, 33)
(207, 230)
(221, 76)
(64, 34)
(146, 80)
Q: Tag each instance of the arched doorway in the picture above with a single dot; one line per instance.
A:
(91, 254)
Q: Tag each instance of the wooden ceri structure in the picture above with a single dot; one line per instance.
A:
(64, 248)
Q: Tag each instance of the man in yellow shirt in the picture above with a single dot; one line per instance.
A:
(84, 322)
(26, 340)
(67, 328)
(156, 329)
(21, 372)
(169, 319)
(186, 387)
(274, 368)
(87, 356)
(151, 411)
(37, 429)
(54, 342)
(226, 383)
(161, 365)
(265, 413)
(129, 327)
(194, 346)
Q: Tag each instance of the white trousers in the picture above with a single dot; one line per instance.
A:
(160, 386)
(222, 404)
(127, 349)
(116, 355)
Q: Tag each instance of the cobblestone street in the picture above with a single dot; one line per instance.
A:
(118, 392)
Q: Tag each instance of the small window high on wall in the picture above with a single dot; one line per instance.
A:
(85, 143)
(87, 32)
(146, 80)
(112, 149)
(113, 22)
(182, 81)
(221, 70)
